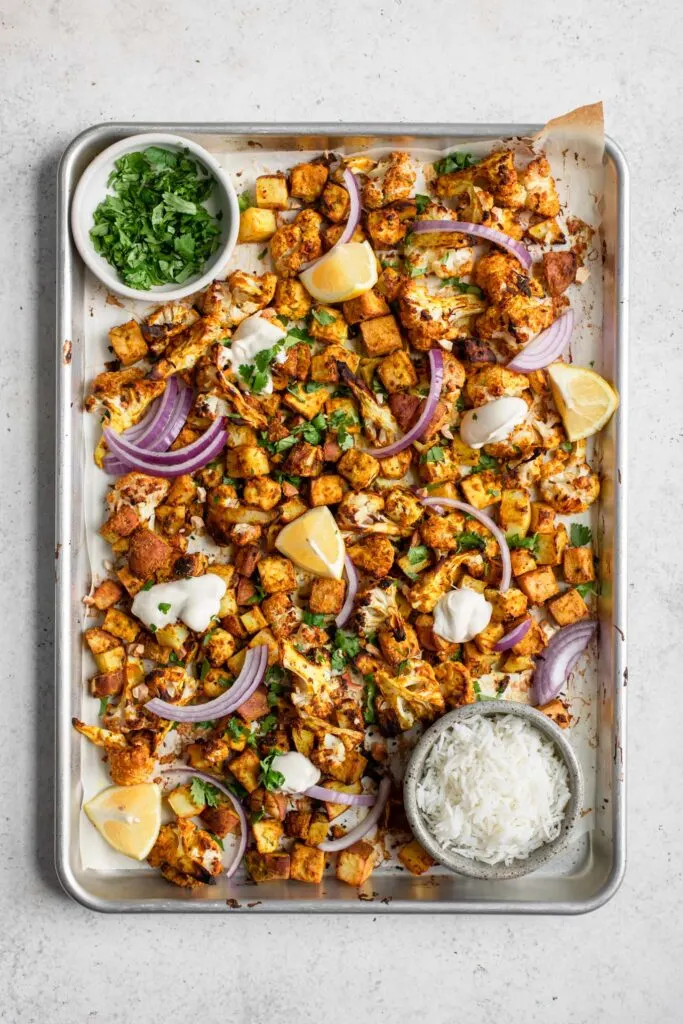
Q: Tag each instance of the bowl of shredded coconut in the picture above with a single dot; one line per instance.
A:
(493, 790)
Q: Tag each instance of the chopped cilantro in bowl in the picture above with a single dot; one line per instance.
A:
(155, 215)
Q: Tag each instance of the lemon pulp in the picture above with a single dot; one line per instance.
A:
(584, 399)
(313, 542)
(345, 273)
(128, 817)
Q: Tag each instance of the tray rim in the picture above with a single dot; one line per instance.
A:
(65, 873)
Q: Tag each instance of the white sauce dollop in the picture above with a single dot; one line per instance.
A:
(300, 773)
(461, 614)
(194, 601)
(254, 335)
(492, 422)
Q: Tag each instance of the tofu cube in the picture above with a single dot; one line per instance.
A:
(381, 335)
(307, 403)
(307, 181)
(324, 365)
(265, 637)
(542, 518)
(307, 864)
(350, 410)
(298, 823)
(441, 470)
(578, 565)
(515, 512)
(282, 615)
(558, 712)
(108, 593)
(482, 489)
(267, 834)
(120, 625)
(568, 608)
(267, 867)
(396, 466)
(488, 637)
(317, 833)
(246, 461)
(277, 574)
(415, 858)
(128, 343)
(522, 561)
(292, 509)
(328, 324)
(182, 804)
(508, 605)
(367, 306)
(253, 620)
(532, 643)
(291, 299)
(355, 864)
(550, 547)
(326, 490)
(271, 192)
(539, 585)
(327, 596)
(247, 769)
(256, 225)
(359, 468)
(396, 371)
(334, 810)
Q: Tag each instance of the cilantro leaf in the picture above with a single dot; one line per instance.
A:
(269, 776)
(422, 202)
(566, 446)
(485, 462)
(580, 535)
(463, 287)
(587, 588)
(530, 543)
(104, 701)
(314, 619)
(202, 792)
(368, 701)
(470, 541)
(164, 607)
(244, 201)
(346, 645)
(433, 454)
(148, 585)
(322, 317)
(454, 162)
(418, 554)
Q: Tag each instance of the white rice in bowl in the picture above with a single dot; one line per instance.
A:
(494, 789)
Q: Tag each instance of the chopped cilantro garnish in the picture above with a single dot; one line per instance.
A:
(256, 816)
(262, 255)
(485, 462)
(580, 535)
(469, 541)
(434, 454)
(587, 588)
(257, 597)
(322, 317)
(217, 840)
(422, 202)
(244, 201)
(418, 554)
(152, 226)
(269, 777)
(368, 704)
(173, 659)
(463, 287)
(314, 619)
(202, 792)
(530, 543)
(346, 646)
(164, 607)
(148, 585)
(299, 334)
(566, 446)
(454, 162)
(104, 701)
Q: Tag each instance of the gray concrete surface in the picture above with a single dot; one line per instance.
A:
(69, 63)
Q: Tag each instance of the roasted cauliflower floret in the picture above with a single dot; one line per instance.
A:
(143, 492)
(541, 193)
(165, 322)
(378, 609)
(571, 486)
(314, 689)
(440, 260)
(500, 274)
(291, 299)
(490, 382)
(363, 511)
(434, 583)
(435, 317)
(379, 424)
(186, 855)
(295, 244)
(393, 178)
(388, 226)
(516, 320)
(373, 555)
(185, 350)
(403, 507)
(227, 303)
(123, 397)
(129, 757)
(410, 696)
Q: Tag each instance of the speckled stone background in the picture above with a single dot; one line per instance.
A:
(67, 64)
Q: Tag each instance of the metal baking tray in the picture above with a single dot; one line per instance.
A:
(575, 885)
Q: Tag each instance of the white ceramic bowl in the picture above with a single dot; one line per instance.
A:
(92, 188)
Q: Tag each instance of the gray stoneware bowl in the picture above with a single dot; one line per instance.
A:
(465, 865)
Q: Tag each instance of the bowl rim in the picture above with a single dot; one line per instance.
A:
(228, 202)
(474, 868)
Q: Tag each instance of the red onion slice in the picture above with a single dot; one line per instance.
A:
(351, 590)
(546, 348)
(351, 221)
(488, 234)
(332, 796)
(499, 536)
(514, 636)
(169, 464)
(252, 673)
(242, 844)
(559, 658)
(368, 822)
(160, 434)
(416, 432)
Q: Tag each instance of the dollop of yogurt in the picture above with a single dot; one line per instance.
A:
(195, 601)
(492, 422)
(461, 614)
(255, 334)
(299, 773)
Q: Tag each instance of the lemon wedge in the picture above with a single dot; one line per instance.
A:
(128, 817)
(314, 543)
(584, 399)
(345, 273)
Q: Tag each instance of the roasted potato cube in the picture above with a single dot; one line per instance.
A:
(542, 518)
(396, 466)
(326, 490)
(334, 810)
(438, 465)
(219, 646)
(304, 459)
(532, 643)
(539, 585)
(307, 864)
(271, 192)
(481, 489)
(307, 181)
(277, 574)
(373, 555)
(324, 368)
(488, 637)
(578, 565)
(327, 596)
(121, 524)
(267, 834)
(253, 620)
(479, 664)
(120, 625)
(108, 593)
(182, 804)
(306, 403)
(515, 512)
(173, 636)
(291, 299)
(334, 203)
(359, 468)
(397, 372)
(247, 461)
(381, 335)
(183, 490)
(355, 864)
(517, 663)
(128, 343)
(328, 324)
(550, 546)
(170, 519)
(148, 553)
(455, 683)
(282, 615)
(262, 492)
(508, 605)
(99, 640)
(247, 769)
(415, 858)
(317, 833)
(111, 660)
(273, 804)
(297, 824)
(559, 270)
(568, 608)
(522, 561)
(256, 225)
(366, 307)
(221, 820)
(558, 712)
(267, 867)
(107, 684)
(264, 636)
(292, 509)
